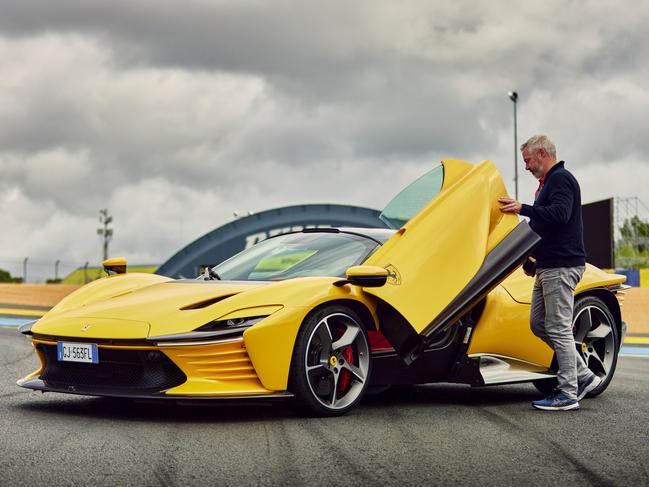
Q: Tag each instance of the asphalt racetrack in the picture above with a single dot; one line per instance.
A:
(427, 435)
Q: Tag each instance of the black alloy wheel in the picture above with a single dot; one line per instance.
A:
(331, 362)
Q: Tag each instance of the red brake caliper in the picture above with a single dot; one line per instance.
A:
(345, 376)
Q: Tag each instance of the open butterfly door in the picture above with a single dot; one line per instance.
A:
(453, 246)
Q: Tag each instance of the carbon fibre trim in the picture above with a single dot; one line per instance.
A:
(39, 385)
(499, 369)
(118, 371)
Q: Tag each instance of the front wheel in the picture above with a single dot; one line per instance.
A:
(596, 339)
(331, 362)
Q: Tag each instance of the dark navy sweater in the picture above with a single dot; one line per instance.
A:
(556, 217)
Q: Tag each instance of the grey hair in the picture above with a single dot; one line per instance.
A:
(540, 141)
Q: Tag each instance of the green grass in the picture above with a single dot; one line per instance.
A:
(630, 257)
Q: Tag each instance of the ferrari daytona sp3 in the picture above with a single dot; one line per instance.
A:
(321, 315)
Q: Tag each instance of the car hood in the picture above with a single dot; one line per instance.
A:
(167, 307)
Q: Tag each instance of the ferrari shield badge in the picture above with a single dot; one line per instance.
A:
(394, 277)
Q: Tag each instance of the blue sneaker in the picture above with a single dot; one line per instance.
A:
(585, 387)
(557, 401)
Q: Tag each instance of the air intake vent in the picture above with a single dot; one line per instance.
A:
(118, 371)
(206, 303)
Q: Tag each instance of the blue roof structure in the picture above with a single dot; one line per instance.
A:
(223, 242)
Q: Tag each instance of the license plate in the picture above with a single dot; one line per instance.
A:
(77, 352)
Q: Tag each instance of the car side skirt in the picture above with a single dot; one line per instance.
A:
(498, 369)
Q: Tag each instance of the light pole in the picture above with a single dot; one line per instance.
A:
(56, 270)
(25, 270)
(513, 96)
(105, 233)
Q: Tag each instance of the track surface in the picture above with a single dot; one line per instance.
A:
(437, 435)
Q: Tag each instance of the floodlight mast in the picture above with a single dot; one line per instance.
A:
(105, 232)
(513, 96)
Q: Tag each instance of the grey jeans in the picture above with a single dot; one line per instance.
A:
(551, 321)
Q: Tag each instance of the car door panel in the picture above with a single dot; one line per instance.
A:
(450, 254)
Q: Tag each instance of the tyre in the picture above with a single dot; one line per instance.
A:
(331, 363)
(596, 340)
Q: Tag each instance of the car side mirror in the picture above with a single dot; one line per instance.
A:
(365, 276)
(116, 265)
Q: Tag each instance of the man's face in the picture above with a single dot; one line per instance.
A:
(533, 162)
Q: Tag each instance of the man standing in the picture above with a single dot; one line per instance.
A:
(560, 263)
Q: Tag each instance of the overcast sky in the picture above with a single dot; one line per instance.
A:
(175, 114)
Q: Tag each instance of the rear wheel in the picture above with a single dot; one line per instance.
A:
(596, 340)
(331, 362)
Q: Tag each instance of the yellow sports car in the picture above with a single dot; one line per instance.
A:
(322, 314)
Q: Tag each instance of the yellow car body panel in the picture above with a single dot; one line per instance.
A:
(89, 327)
(519, 285)
(106, 288)
(270, 342)
(41, 359)
(503, 331)
(222, 369)
(445, 244)
(159, 304)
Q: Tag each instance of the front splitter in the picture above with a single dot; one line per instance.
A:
(39, 385)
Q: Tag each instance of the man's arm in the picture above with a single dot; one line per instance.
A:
(560, 207)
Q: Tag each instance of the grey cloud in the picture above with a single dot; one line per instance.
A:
(325, 54)
(175, 115)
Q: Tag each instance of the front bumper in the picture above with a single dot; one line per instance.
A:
(215, 370)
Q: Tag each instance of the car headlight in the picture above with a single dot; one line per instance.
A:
(231, 324)
(227, 327)
(214, 330)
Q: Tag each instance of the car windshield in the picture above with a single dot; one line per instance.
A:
(297, 255)
(413, 198)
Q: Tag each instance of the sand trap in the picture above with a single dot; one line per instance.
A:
(34, 294)
(635, 310)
